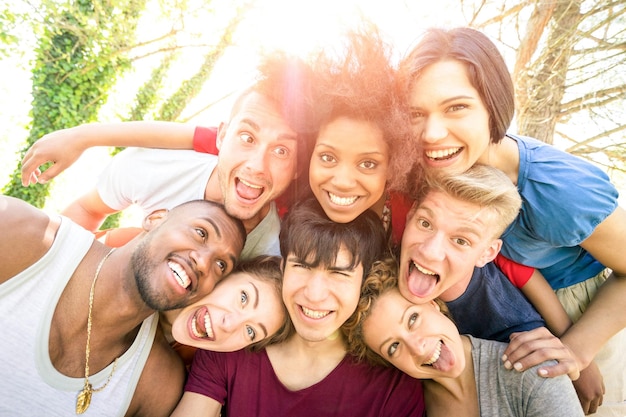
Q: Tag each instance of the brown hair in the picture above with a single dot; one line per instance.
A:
(382, 278)
(486, 69)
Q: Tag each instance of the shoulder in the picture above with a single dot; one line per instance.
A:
(27, 234)
(160, 386)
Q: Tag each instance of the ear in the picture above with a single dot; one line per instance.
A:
(490, 253)
(221, 133)
(153, 219)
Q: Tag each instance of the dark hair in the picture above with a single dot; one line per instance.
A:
(486, 69)
(382, 278)
(308, 234)
(359, 82)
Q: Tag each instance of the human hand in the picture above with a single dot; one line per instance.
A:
(527, 349)
(62, 148)
(590, 388)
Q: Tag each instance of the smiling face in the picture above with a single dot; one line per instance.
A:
(257, 161)
(444, 239)
(416, 338)
(348, 169)
(241, 310)
(184, 254)
(449, 117)
(320, 299)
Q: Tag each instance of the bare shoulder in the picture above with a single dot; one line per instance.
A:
(27, 233)
(160, 386)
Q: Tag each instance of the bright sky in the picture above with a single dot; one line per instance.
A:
(297, 26)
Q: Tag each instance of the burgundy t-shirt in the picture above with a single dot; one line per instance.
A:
(245, 383)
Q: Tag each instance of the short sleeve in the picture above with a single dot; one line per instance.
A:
(204, 140)
(208, 375)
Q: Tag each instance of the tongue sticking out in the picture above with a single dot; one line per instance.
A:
(247, 191)
(420, 284)
(446, 360)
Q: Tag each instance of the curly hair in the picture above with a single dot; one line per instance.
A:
(359, 82)
(381, 278)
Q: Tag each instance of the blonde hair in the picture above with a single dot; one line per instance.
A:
(481, 185)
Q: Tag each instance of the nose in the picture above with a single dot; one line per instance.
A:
(433, 129)
(257, 160)
(431, 247)
(203, 259)
(316, 287)
(230, 322)
(343, 176)
(417, 345)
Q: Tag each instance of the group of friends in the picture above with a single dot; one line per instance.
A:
(427, 262)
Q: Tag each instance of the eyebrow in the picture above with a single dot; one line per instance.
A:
(254, 125)
(327, 145)
(256, 294)
(256, 303)
(450, 99)
(216, 229)
(214, 225)
(380, 348)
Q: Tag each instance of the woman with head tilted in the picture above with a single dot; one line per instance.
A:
(462, 375)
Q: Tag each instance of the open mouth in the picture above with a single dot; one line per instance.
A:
(179, 273)
(341, 201)
(435, 356)
(248, 190)
(201, 325)
(442, 154)
(421, 281)
(314, 314)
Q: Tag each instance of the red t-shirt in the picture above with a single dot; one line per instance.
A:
(246, 384)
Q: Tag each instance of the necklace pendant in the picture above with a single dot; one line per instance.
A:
(84, 399)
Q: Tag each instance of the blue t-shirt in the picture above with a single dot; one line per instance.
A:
(564, 198)
(492, 307)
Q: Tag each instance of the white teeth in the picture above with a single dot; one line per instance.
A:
(342, 201)
(314, 314)
(194, 328)
(180, 274)
(422, 270)
(246, 183)
(207, 325)
(442, 153)
(436, 354)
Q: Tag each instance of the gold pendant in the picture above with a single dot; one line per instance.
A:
(84, 399)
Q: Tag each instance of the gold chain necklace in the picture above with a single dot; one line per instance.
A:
(84, 397)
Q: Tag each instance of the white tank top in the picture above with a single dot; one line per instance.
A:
(29, 383)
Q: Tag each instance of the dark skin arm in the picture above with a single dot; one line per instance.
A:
(160, 386)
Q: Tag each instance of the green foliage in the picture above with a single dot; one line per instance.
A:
(78, 58)
(112, 221)
(7, 39)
